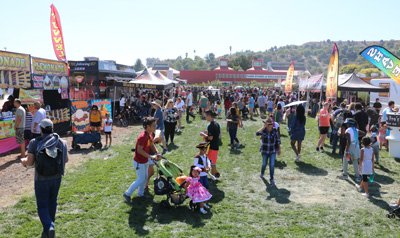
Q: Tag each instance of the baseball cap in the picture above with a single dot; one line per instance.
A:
(46, 124)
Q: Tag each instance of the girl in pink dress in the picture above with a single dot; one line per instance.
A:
(195, 190)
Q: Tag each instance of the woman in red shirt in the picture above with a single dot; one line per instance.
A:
(324, 123)
(141, 160)
(227, 105)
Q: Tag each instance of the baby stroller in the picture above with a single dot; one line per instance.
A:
(394, 213)
(245, 112)
(170, 181)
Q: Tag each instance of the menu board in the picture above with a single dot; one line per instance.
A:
(393, 120)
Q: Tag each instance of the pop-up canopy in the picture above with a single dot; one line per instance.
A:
(148, 80)
(165, 79)
(351, 82)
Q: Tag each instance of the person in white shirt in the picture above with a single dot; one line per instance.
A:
(108, 123)
(189, 103)
(179, 104)
(39, 115)
(122, 102)
(202, 161)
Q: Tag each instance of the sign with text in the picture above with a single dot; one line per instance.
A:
(333, 74)
(56, 35)
(383, 60)
(314, 83)
(14, 70)
(49, 67)
(31, 96)
(289, 78)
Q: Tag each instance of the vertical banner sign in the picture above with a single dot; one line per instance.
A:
(289, 78)
(383, 60)
(332, 77)
(57, 36)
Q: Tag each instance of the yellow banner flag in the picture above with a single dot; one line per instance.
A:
(289, 78)
(333, 74)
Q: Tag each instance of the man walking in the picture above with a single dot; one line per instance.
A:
(20, 126)
(189, 103)
(40, 115)
(48, 153)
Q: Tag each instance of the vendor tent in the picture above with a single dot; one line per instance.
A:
(165, 79)
(148, 80)
(351, 82)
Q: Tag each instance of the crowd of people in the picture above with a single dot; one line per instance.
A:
(359, 129)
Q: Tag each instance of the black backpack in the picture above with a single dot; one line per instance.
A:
(49, 162)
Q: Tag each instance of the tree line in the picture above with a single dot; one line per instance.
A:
(316, 56)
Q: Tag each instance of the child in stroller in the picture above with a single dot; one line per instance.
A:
(195, 190)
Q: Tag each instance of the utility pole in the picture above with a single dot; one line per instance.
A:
(194, 54)
(230, 50)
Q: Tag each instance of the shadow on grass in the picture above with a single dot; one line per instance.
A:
(138, 214)
(217, 194)
(83, 151)
(236, 151)
(310, 169)
(386, 170)
(280, 164)
(171, 146)
(181, 213)
(383, 179)
(280, 195)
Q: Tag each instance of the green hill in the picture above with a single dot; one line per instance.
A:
(316, 55)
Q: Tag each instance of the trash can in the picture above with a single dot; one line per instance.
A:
(393, 123)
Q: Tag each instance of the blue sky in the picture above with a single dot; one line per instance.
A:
(127, 30)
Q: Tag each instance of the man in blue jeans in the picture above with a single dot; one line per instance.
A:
(47, 179)
(270, 145)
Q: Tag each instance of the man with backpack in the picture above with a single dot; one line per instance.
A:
(338, 119)
(48, 154)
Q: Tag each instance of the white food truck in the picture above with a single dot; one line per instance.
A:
(384, 98)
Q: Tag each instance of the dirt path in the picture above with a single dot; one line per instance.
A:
(17, 181)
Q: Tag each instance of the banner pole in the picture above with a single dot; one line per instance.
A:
(115, 91)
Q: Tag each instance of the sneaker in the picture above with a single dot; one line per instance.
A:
(217, 175)
(358, 187)
(317, 149)
(238, 145)
(179, 130)
(358, 180)
(377, 163)
(203, 211)
(206, 206)
(297, 157)
(127, 198)
(366, 195)
(164, 151)
(212, 177)
(321, 149)
(52, 233)
(342, 176)
(261, 176)
(272, 183)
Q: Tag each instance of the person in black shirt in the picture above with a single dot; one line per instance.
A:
(377, 106)
(373, 115)
(361, 117)
(212, 135)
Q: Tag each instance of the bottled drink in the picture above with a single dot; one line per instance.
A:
(371, 178)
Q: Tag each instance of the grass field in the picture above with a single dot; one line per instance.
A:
(309, 201)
